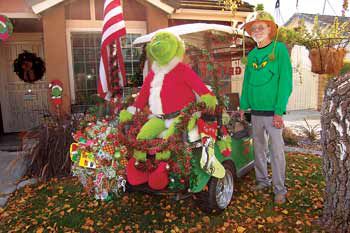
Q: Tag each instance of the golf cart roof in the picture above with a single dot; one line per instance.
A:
(186, 29)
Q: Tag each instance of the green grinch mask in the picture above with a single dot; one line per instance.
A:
(164, 46)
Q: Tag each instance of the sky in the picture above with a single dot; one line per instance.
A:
(288, 8)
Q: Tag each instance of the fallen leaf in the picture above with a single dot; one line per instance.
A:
(240, 229)
(285, 212)
(269, 219)
(40, 230)
(89, 222)
(278, 218)
(206, 219)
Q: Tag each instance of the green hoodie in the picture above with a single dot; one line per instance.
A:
(267, 84)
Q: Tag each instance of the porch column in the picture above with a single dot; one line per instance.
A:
(55, 47)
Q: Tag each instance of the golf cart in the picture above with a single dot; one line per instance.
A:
(211, 50)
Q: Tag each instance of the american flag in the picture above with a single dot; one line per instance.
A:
(113, 29)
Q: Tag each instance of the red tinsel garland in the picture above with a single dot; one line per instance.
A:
(128, 131)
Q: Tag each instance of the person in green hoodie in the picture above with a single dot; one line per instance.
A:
(266, 88)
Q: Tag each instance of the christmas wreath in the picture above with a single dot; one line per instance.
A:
(29, 67)
(6, 28)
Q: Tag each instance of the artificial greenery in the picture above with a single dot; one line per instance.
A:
(322, 36)
(231, 5)
(318, 37)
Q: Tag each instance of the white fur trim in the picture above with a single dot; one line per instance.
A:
(168, 122)
(56, 86)
(131, 109)
(154, 100)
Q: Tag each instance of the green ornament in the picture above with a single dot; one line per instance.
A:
(117, 154)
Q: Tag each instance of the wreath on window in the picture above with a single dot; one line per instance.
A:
(29, 67)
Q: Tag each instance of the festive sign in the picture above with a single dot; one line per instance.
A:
(209, 163)
(56, 92)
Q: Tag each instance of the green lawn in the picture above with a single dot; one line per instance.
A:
(62, 206)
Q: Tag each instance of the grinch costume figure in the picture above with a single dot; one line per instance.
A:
(169, 87)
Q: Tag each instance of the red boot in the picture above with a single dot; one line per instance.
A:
(134, 175)
(159, 179)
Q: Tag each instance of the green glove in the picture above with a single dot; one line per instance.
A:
(225, 118)
(192, 122)
(209, 100)
(125, 116)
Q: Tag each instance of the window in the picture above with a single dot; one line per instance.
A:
(86, 59)
(131, 56)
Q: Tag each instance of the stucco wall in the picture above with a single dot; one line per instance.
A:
(132, 10)
(56, 50)
(14, 6)
(156, 19)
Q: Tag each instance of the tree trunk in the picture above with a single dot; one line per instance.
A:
(335, 136)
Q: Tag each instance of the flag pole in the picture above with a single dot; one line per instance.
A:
(112, 71)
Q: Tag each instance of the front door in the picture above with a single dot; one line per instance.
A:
(23, 105)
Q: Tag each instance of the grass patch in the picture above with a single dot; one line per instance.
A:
(63, 206)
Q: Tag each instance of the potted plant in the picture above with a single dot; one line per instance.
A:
(326, 45)
(289, 36)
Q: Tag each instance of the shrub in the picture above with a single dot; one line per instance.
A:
(289, 137)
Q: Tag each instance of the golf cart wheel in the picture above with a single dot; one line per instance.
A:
(220, 191)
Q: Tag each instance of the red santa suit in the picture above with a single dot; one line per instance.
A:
(170, 88)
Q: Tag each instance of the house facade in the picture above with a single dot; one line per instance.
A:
(66, 34)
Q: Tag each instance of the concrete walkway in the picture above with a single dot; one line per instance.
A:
(299, 115)
(296, 120)
(13, 166)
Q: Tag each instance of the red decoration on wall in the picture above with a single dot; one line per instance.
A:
(56, 87)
